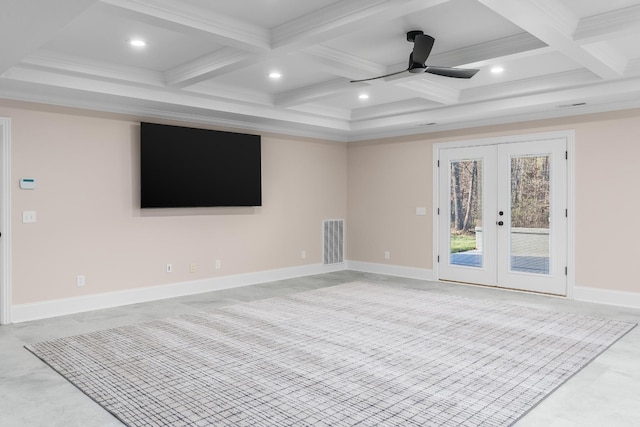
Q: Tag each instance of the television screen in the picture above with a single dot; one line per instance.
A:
(188, 167)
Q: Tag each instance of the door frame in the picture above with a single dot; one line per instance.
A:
(5, 221)
(568, 136)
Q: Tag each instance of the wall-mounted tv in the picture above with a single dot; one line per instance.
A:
(187, 167)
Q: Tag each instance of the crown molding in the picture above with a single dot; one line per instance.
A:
(617, 23)
(72, 65)
(530, 85)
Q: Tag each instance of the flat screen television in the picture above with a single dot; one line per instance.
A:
(187, 167)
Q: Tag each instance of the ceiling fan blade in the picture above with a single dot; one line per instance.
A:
(379, 77)
(422, 46)
(458, 73)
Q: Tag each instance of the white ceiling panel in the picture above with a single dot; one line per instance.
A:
(102, 34)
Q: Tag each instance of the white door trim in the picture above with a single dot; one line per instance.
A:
(569, 136)
(5, 221)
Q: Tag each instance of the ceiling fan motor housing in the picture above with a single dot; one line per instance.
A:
(411, 35)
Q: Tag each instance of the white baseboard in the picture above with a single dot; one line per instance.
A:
(62, 307)
(605, 296)
(391, 270)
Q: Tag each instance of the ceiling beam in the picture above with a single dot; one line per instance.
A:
(205, 67)
(551, 22)
(341, 63)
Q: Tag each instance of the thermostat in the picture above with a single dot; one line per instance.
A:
(27, 183)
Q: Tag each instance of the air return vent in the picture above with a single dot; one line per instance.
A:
(333, 233)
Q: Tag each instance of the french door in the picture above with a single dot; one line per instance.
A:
(503, 215)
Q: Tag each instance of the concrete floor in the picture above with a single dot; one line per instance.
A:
(605, 393)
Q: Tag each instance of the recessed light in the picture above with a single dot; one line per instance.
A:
(137, 43)
(275, 75)
(363, 96)
(497, 69)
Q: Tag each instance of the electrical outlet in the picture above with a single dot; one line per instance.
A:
(303, 254)
(169, 268)
(387, 255)
(192, 267)
(218, 264)
(80, 281)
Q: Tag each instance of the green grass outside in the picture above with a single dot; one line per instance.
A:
(462, 242)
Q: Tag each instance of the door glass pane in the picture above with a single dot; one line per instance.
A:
(466, 213)
(530, 207)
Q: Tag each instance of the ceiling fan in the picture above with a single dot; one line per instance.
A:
(422, 45)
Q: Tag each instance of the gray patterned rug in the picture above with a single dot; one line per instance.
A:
(355, 354)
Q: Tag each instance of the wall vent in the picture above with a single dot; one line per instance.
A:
(333, 238)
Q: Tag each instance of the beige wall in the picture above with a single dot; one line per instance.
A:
(386, 182)
(86, 166)
(388, 178)
(89, 222)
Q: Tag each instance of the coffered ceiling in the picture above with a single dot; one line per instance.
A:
(209, 61)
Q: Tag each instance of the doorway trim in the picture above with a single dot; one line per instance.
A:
(5, 221)
(568, 136)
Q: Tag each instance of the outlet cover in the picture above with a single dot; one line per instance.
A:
(28, 217)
